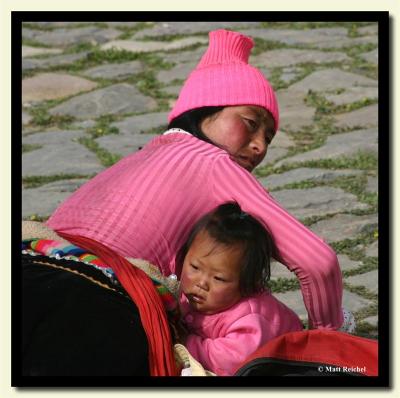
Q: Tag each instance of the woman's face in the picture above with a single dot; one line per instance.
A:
(243, 131)
(211, 275)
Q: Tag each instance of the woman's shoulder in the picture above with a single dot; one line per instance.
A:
(183, 142)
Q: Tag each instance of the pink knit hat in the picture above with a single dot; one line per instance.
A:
(223, 77)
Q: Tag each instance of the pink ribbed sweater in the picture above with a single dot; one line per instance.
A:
(145, 205)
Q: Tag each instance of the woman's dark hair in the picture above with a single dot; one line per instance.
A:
(229, 225)
(190, 121)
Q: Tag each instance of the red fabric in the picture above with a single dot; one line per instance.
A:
(142, 291)
(322, 346)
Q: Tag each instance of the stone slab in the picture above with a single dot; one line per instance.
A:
(304, 174)
(59, 155)
(52, 137)
(279, 270)
(319, 201)
(47, 86)
(56, 60)
(347, 42)
(371, 56)
(363, 117)
(273, 156)
(294, 113)
(125, 144)
(26, 118)
(28, 33)
(319, 38)
(288, 77)
(185, 28)
(178, 72)
(277, 149)
(183, 56)
(58, 24)
(372, 320)
(369, 280)
(372, 249)
(338, 145)
(73, 158)
(28, 51)
(294, 300)
(172, 102)
(116, 99)
(127, 24)
(28, 129)
(152, 46)
(354, 302)
(66, 37)
(83, 125)
(114, 71)
(344, 226)
(346, 264)
(372, 185)
(368, 30)
(285, 57)
(267, 72)
(331, 79)
(173, 90)
(281, 140)
(290, 74)
(142, 124)
(43, 200)
(299, 36)
(353, 94)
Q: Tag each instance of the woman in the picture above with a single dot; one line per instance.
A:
(220, 128)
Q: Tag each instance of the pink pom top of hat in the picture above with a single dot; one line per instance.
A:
(223, 77)
(225, 47)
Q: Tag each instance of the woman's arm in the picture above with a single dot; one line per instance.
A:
(312, 260)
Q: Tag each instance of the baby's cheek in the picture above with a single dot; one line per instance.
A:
(185, 281)
(224, 296)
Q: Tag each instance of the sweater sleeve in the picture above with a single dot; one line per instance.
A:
(313, 261)
(224, 354)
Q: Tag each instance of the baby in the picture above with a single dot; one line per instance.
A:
(225, 305)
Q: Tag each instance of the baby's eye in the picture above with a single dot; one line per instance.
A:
(219, 279)
(194, 266)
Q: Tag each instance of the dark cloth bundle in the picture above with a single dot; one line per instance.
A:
(76, 322)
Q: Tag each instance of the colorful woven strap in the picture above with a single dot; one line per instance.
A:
(52, 248)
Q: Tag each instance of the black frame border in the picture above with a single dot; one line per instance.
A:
(385, 204)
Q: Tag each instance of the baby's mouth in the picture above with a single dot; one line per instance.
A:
(195, 298)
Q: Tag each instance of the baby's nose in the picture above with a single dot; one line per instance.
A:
(202, 284)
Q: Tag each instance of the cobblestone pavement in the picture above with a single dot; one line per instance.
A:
(94, 92)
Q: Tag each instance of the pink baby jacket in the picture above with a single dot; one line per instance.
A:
(222, 341)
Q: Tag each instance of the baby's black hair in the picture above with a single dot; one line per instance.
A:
(228, 224)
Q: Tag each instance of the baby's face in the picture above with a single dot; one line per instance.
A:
(210, 275)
